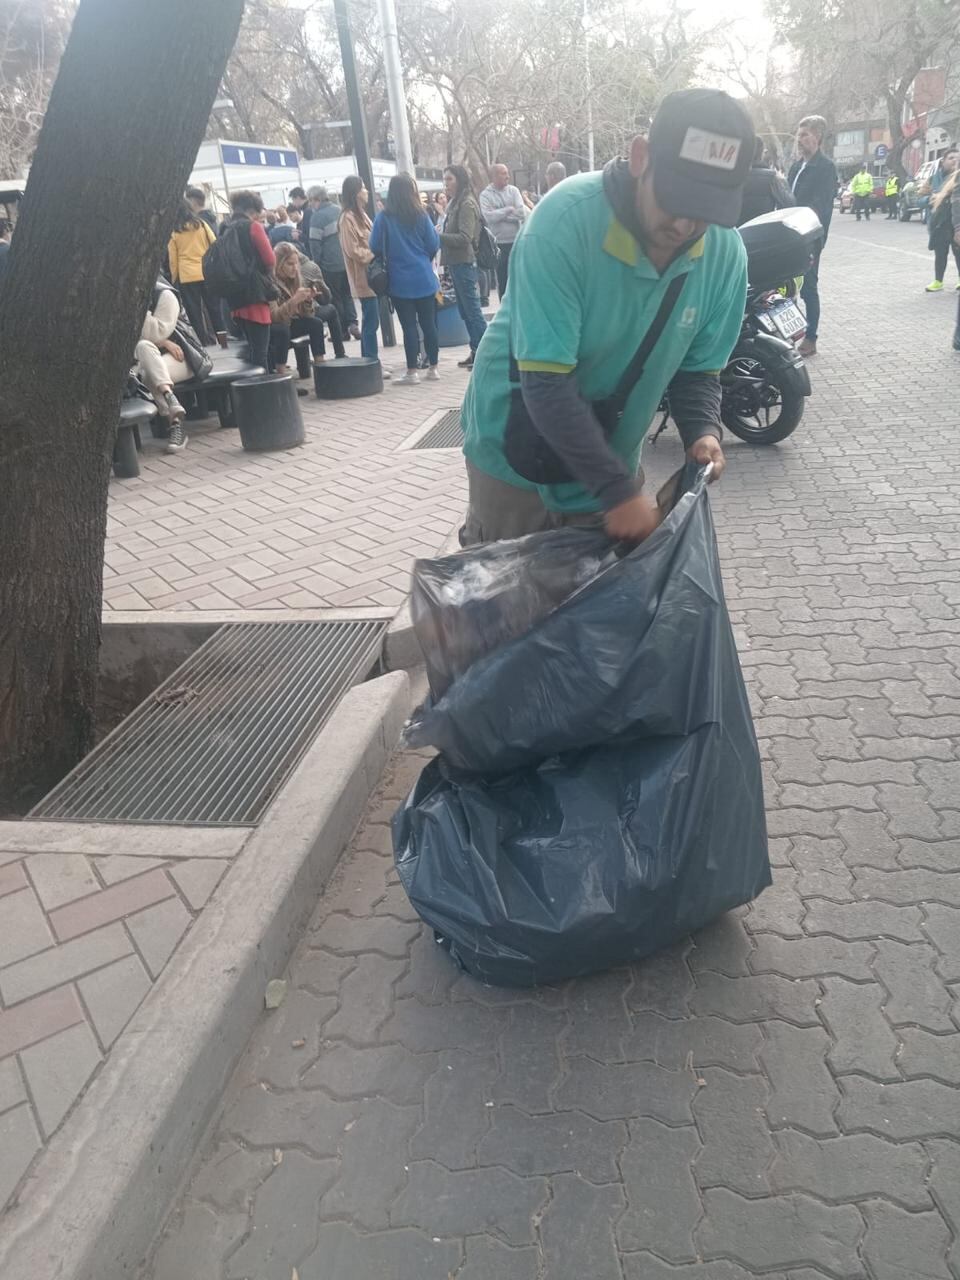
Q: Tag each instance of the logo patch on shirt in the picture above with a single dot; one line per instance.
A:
(688, 317)
(711, 149)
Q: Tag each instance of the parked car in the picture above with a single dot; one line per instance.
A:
(878, 200)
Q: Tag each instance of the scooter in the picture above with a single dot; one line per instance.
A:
(765, 382)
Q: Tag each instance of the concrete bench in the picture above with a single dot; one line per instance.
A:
(133, 413)
(227, 369)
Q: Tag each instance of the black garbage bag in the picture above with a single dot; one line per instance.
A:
(598, 793)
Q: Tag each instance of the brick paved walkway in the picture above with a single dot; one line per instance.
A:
(87, 923)
(331, 525)
(777, 1096)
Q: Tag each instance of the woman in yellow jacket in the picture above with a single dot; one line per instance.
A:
(191, 239)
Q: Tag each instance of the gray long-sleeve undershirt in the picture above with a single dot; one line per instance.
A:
(568, 424)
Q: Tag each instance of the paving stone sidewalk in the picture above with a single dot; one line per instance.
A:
(333, 524)
(775, 1097)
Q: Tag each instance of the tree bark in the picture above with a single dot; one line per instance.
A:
(125, 119)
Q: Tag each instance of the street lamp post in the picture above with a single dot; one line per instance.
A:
(358, 125)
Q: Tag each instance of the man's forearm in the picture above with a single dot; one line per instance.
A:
(568, 424)
(695, 406)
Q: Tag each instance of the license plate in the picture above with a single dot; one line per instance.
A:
(788, 318)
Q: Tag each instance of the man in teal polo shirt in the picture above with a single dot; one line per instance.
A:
(645, 248)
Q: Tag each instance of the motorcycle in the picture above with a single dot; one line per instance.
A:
(765, 382)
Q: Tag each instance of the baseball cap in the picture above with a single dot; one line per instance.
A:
(701, 148)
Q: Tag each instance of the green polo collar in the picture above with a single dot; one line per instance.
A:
(620, 244)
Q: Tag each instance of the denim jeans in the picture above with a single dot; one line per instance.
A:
(370, 307)
(464, 276)
(409, 311)
(810, 293)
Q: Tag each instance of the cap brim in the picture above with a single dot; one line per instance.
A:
(684, 197)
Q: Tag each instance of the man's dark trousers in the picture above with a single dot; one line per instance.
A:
(861, 204)
(503, 268)
(338, 283)
(810, 293)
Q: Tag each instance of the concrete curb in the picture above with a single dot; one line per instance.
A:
(401, 650)
(100, 1192)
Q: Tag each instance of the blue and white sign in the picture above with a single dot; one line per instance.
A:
(259, 157)
(881, 151)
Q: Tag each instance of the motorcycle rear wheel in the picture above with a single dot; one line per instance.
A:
(778, 417)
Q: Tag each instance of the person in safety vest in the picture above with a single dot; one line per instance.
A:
(862, 190)
(893, 197)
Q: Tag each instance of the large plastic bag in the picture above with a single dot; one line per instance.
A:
(465, 606)
(598, 793)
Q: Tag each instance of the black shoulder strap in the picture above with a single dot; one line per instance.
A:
(634, 370)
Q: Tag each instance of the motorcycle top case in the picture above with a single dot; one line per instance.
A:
(780, 245)
(598, 794)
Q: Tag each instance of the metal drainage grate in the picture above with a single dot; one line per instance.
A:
(445, 434)
(213, 744)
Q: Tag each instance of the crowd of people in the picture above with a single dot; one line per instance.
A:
(318, 267)
(304, 270)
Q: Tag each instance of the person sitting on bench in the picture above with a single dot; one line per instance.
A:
(293, 314)
(161, 362)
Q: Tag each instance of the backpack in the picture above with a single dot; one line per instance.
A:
(488, 251)
(232, 270)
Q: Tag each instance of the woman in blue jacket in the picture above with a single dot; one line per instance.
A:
(407, 241)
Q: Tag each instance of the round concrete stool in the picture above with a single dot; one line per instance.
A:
(268, 412)
(348, 378)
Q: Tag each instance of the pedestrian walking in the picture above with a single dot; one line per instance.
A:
(355, 226)
(505, 212)
(606, 261)
(893, 197)
(862, 190)
(813, 182)
(191, 238)
(459, 238)
(407, 241)
(942, 232)
(324, 247)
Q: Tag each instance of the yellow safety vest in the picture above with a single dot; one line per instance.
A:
(862, 185)
(893, 185)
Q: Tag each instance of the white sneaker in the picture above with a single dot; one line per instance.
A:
(433, 374)
(410, 379)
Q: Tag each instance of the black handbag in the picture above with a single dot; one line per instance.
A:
(194, 352)
(377, 277)
(529, 454)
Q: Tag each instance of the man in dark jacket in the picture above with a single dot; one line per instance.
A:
(324, 249)
(813, 181)
(765, 190)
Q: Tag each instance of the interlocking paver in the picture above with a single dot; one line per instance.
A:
(158, 930)
(12, 1092)
(57, 1070)
(19, 1143)
(57, 965)
(663, 1203)
(785, 1231)
(737, 1143)
(776, 1097)
(60, 878)
(853, 1167)
(113, 994)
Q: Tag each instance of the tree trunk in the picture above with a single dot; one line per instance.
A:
(125, 119)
